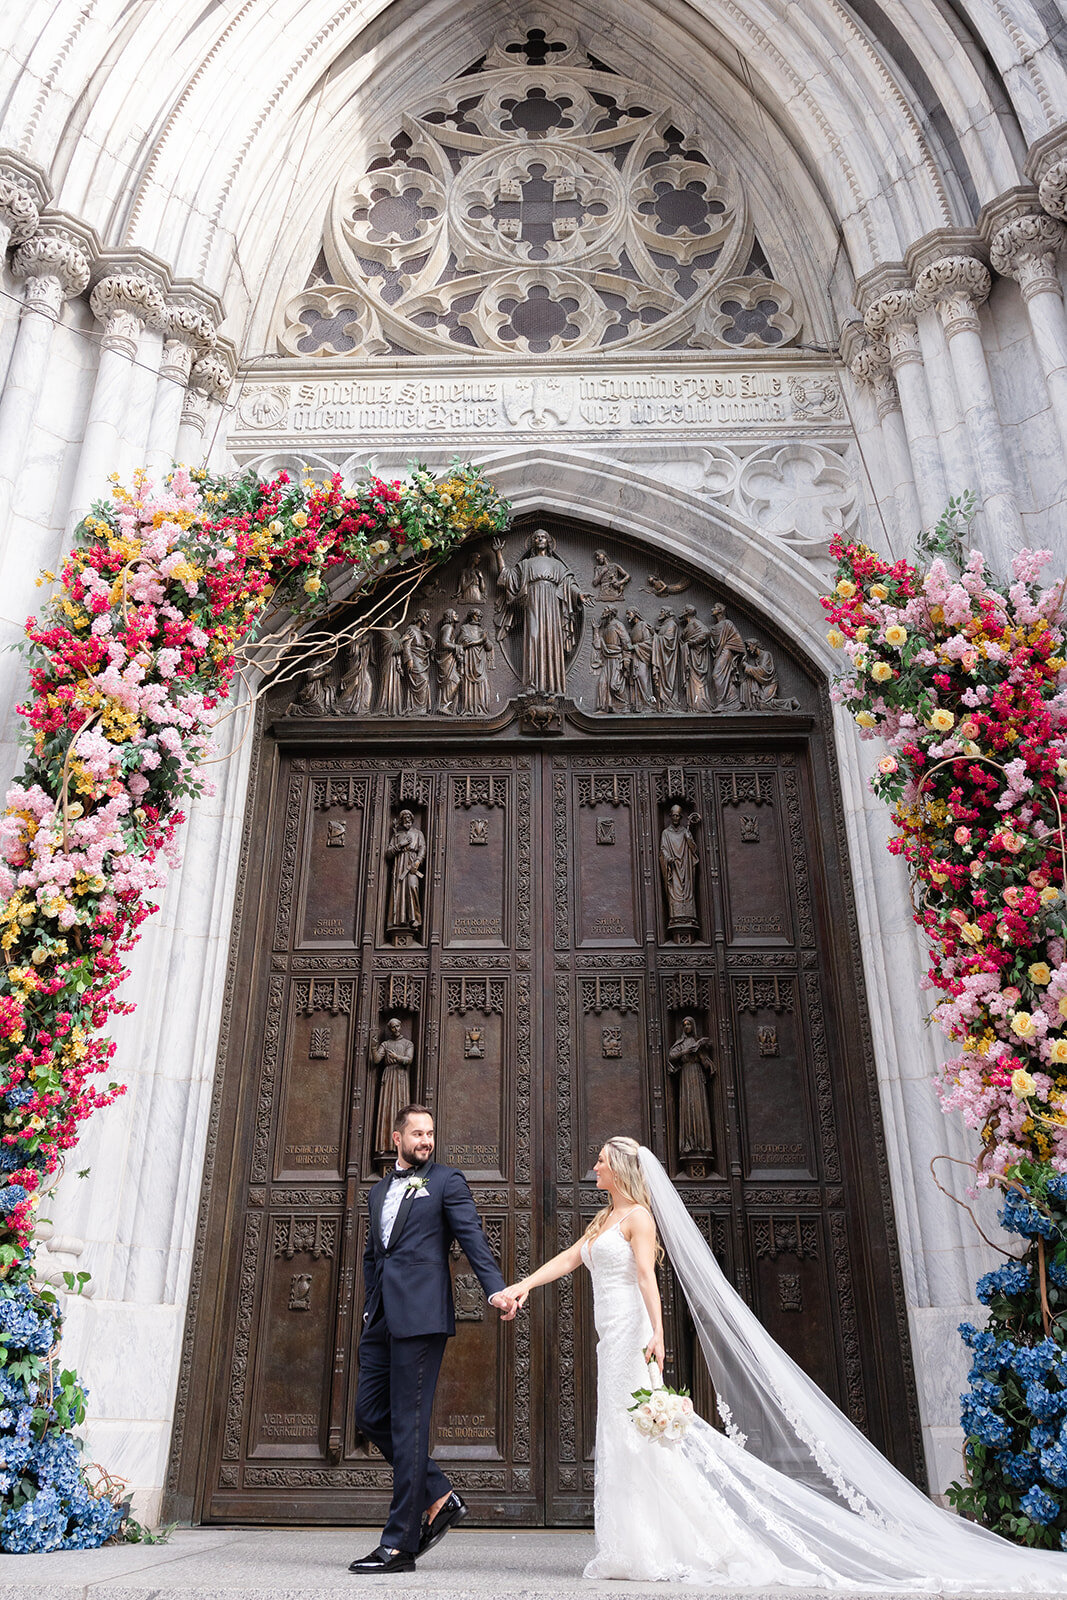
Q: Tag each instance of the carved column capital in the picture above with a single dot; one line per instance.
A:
(54, 264)
(956, 285)
(1053, 189)
(127, 302)
(891, 320)
(1025, 249)
(188, 335)
(18, 210)
(871, 366)
(212, 374)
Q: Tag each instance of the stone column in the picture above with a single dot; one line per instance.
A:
(124, 302)
(208, 384)
(957, 285)
(872, 367)
(54, 265)
(890, 320)
(1025, 249)
(188, 336)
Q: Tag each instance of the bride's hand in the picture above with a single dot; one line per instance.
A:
(518, 1294)
(654, 1350)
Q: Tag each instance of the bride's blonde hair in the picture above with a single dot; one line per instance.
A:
(622, 1155)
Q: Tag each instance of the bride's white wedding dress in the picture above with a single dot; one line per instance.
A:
(706, 1509)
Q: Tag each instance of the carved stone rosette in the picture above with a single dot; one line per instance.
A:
(956, 285)
(1025, 249)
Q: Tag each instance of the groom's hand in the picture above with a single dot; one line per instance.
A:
(505, 1304)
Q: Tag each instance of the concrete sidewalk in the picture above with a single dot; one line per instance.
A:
(310, 1564)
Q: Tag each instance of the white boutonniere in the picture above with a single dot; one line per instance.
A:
(416, 1186)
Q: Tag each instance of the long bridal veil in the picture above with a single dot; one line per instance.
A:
(892, 1535)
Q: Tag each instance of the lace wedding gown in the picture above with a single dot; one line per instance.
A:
(703, 1509)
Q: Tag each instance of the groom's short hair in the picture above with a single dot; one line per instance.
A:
(400, 1121)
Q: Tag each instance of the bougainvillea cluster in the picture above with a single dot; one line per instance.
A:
(1015, 1411)
(965, 679)
(130, 662)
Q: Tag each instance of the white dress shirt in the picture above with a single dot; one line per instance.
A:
(391, 1205)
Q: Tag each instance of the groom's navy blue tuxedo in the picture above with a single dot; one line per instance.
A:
(408, 1314)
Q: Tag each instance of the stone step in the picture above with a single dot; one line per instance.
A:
(311, 1564)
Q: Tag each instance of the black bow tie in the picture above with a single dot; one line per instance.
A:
(403, 1172)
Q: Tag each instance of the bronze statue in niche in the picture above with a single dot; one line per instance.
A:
(395, 1055)
(357, 690)
(679, 862)
(542, 593)
(406, 852)
(692, 1057)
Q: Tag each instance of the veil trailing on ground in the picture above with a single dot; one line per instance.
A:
(784, 1421)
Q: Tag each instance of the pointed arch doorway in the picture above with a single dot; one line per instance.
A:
(552, 981)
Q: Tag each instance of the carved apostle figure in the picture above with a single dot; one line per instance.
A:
(447, 661)
(406, 851)
(666, 661)
(609, 579)
(729, 648)
(357, 690)
(695, 652)
(544, 593)
(472, 579)
(390, 672)
(691, 1057)
(642, 641)
(475, 659)
(394, 1054)
(759, 681)
(416, 648)
(679, 862)
(316, 696)
(611, 662)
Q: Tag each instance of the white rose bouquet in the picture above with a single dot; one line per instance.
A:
(659, 1412)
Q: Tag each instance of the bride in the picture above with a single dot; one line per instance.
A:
(801, 1498)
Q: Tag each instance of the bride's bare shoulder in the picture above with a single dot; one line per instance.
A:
(638, 1224)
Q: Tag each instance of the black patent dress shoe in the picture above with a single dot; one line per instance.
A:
(451, 1512)
(384, 1561)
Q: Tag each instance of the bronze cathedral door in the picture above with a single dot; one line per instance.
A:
(550, 928)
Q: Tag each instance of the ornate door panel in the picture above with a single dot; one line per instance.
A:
(552, 911)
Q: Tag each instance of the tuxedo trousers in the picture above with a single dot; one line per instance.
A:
(394, 1399)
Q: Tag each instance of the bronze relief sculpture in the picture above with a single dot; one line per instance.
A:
(692, 1057)
(679, 862)
(406, 852)
(395, 1055)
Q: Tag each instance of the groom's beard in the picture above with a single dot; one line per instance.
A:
(415, 1152)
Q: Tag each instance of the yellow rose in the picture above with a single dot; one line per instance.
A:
(300, 519)
(863, 634)
(878, 591)
(971, 749)
(846, 589)
(941, 720)
(1058, 1052)
(865, 719)
(881, 671)
(939, 878)
(1022, 1084)
(275, 528)
(379, 547)
(312, 585)
(971, 932)
(1049, 895)
(1022, 1023)
(39, 956)
(1061, 1005)
(896, 636)
(836, 638)
(1040, 972)
(425, 543)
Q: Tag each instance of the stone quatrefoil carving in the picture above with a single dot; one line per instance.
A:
(539, 203)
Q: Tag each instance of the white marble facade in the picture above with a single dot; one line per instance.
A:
(824, 292)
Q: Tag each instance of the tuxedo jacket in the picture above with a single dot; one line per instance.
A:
(409, 1277)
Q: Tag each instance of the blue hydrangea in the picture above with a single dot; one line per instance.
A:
(986, 1392)
(1040, 1506)
(1031, 1363)
(1054, 1466)
(1043, 1403)
(1021, 1215)
(983, 1423)
(1010, 1279)
(1056, 1189)
(36, 1526)
(1057, 1273)
(1020, 1470)
(11, 1195)
(20, 1095)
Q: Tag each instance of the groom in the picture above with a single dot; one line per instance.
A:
(416, 1211)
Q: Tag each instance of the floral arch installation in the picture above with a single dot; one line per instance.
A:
(539, 203)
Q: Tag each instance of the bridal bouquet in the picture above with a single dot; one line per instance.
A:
(661, 1413)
